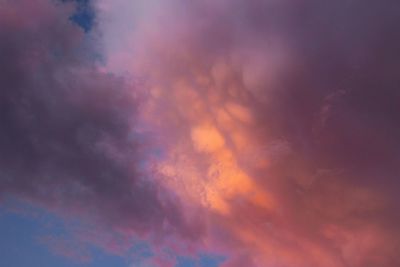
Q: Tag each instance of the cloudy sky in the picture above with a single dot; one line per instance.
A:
(203, 133)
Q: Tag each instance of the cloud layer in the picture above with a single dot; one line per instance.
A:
(278, 118)
(262, 130)
(68, 139)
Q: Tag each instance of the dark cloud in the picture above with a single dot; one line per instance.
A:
(337, 106)
(67, 139)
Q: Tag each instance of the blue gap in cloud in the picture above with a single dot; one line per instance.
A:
(203, 260)
(23, 225)
(20, 244)
(84, 15)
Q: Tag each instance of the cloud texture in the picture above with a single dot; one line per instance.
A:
(68, 140)
(266, 131)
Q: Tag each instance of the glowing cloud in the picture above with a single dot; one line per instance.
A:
(265, 131)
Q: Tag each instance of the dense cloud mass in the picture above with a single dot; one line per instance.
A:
(281, 121)
(68, 140)
(271, 126)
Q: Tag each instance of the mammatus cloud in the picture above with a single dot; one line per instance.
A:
(278, 118)
(271, 124)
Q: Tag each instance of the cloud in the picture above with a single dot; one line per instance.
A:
(310, 88)
(69, 140)
(271, 126)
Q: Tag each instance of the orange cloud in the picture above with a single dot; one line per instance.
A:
(235, 97)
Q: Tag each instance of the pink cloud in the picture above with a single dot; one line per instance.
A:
(262, 130)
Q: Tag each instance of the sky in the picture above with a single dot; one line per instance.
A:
(204, 133)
